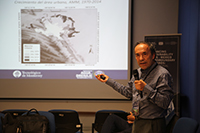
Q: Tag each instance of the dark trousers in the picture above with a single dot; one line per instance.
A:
(149, 126)
(115, 124)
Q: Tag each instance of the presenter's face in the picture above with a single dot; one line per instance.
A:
(143, 56)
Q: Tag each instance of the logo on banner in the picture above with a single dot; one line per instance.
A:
(27, 74)
(86, 74)
(98, 73)
(17, 74)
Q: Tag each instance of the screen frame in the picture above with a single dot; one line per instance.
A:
(130, 67)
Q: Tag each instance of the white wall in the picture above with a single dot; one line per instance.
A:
(150, 17)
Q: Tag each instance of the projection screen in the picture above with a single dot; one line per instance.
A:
(51, 49)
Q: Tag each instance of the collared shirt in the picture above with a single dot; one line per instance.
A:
(157, 94)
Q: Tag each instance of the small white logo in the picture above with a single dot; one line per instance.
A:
(17, 74)
(98, 73)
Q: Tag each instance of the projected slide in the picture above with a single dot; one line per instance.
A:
(63, 39)
(46, 36)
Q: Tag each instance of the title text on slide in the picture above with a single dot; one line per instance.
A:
(59, 2)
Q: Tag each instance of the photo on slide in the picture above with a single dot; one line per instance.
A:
(60, 36)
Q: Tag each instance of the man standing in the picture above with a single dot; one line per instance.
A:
(151, 94)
